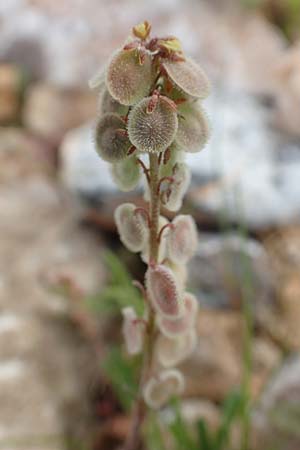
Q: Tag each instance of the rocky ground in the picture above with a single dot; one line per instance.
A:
(57, 199)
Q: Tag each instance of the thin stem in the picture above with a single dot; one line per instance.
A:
(139, 412)
(145, 170)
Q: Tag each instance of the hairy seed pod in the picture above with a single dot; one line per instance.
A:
(163, 291)
(188, 77)
(177, 327)
(160, 388)
(172, 351)
(172, 156)
(162, 251)
(133, 331)
(152, 131)
(127, 80)
(182, 239)
(172, 198)
(112, 144)
(126, 173)
(180, 272)
(107, 104)
(132, 227)
(193, 128)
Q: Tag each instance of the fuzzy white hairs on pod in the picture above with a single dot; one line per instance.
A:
(133, 331)
(132, 227)
(161, 387)
(163, 291)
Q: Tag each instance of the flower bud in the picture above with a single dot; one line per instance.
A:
(188, 77)
(177, 327)
(162, 250)
(172, 198)
(193, 128)
(132, 227)
(126, 173)
(133, 331)
(127, 80)
(172, 351)
(111, 141)
(152, 130)
(163, 291)
(164, 385)
(182, 239)
(107, 104)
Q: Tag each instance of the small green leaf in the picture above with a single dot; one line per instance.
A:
(119, 293)
(231, 408)
(182, 437)
(204, 436)
(122, 373)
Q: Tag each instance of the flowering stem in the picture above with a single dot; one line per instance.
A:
(139, 411)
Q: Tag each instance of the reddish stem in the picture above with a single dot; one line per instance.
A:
(145, 170)
(170, 179)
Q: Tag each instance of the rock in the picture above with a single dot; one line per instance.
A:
(215, 367)
(22, 156)
(228, 268)
(48, 369)
(193, 410)
(287, 96)
(246, 160)
(276, 419)
(50, 111)
(81, 169)
(10, 90)
(282, 322)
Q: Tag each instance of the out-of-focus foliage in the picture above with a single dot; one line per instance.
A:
(283, 13)
(122, 373)
(204, 438)
(119, 292)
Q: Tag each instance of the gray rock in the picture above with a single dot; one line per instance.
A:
(276, 420)
(252, 171)
(228, 268)
(47, 369)
(51, 110)
(82, 171)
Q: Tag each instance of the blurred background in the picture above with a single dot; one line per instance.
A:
(60, 257)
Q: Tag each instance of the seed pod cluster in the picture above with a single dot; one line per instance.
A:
(150, 106)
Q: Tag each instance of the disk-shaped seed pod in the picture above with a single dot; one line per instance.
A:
(172, 197)
(180, 272)
(163, 291)
(182, 239)
(171, 156)
(172, 351)
(160, 388)
(152, 129)
(193, 128)
(177, 327)
(162, 250)
(107, 104)
(111, 141)
(126, 173)
(188, 77)
(133, 331)
(127, 80)
(132, 227)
